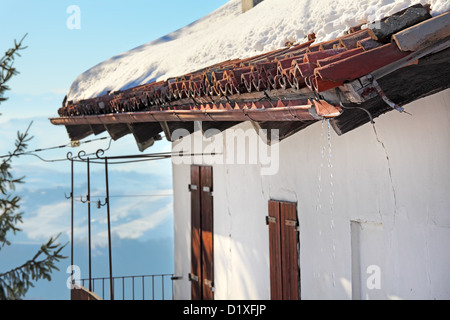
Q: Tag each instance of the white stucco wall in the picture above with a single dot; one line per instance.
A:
(385, 203)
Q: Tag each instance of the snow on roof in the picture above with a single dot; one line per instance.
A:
(229, 34)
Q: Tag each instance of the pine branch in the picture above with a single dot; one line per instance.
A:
(15, 283)
(8, 218)
(6, 179)
(6, 66)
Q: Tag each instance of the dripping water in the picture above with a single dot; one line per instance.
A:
(319, 177)
(330, 169)
(325, 143)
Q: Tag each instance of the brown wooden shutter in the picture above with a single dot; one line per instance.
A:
(283, 250)
(202, 257)
(273, 221)
(196, 269)
(207, 233)
(289, 253)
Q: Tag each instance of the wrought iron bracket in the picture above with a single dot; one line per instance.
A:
(100, 204)
(88, 200)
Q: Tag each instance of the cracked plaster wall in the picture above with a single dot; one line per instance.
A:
(394, 175)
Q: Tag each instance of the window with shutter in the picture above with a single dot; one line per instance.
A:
(284, 250)
(202, 258)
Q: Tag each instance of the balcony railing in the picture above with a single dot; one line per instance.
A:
(140, 287)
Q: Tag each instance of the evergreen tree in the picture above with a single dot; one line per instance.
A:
(15, 283)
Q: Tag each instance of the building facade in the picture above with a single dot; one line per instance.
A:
(313, 171)
(373, 209)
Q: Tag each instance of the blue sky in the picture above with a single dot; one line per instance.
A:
(142, 225)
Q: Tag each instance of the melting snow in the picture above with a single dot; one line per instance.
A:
(228, 34)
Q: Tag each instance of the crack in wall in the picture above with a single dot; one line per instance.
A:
(389, 168)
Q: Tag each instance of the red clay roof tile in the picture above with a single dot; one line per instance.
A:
(247, 83)
(340, 56)
(312, 57)
(361, 64)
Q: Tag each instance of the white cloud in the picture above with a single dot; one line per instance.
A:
(130, 219)
(126, 209)
(49, 220)
(136, 228)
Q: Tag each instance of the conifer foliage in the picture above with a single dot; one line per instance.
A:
(15, 283)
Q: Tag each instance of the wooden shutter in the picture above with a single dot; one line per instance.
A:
(289, 253)
(202, 258)
(207, 233)
(196, 270)
(273, 221)
(283, 250)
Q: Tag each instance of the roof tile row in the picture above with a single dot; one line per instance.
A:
(318, 67)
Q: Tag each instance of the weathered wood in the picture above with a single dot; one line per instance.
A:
(213, 127)
(196, 243)
(283, 250)
(382, 30)
(165, 129)
(117, 131)
(276, 280)
(407, 84)
(289, 253)
(179, 129)
(97, 128)
(423, 34)
(144, 133)
(78, 132)
(350, 41)
(268, 133)
(207, 232)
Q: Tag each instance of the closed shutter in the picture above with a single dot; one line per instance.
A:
(289, 253)
(276, 292)
(283, 250)
(202, 258)
(207, 233)
(196, 269)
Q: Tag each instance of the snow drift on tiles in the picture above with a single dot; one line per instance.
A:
(228, 34)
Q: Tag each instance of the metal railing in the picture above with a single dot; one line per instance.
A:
(134, 287)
